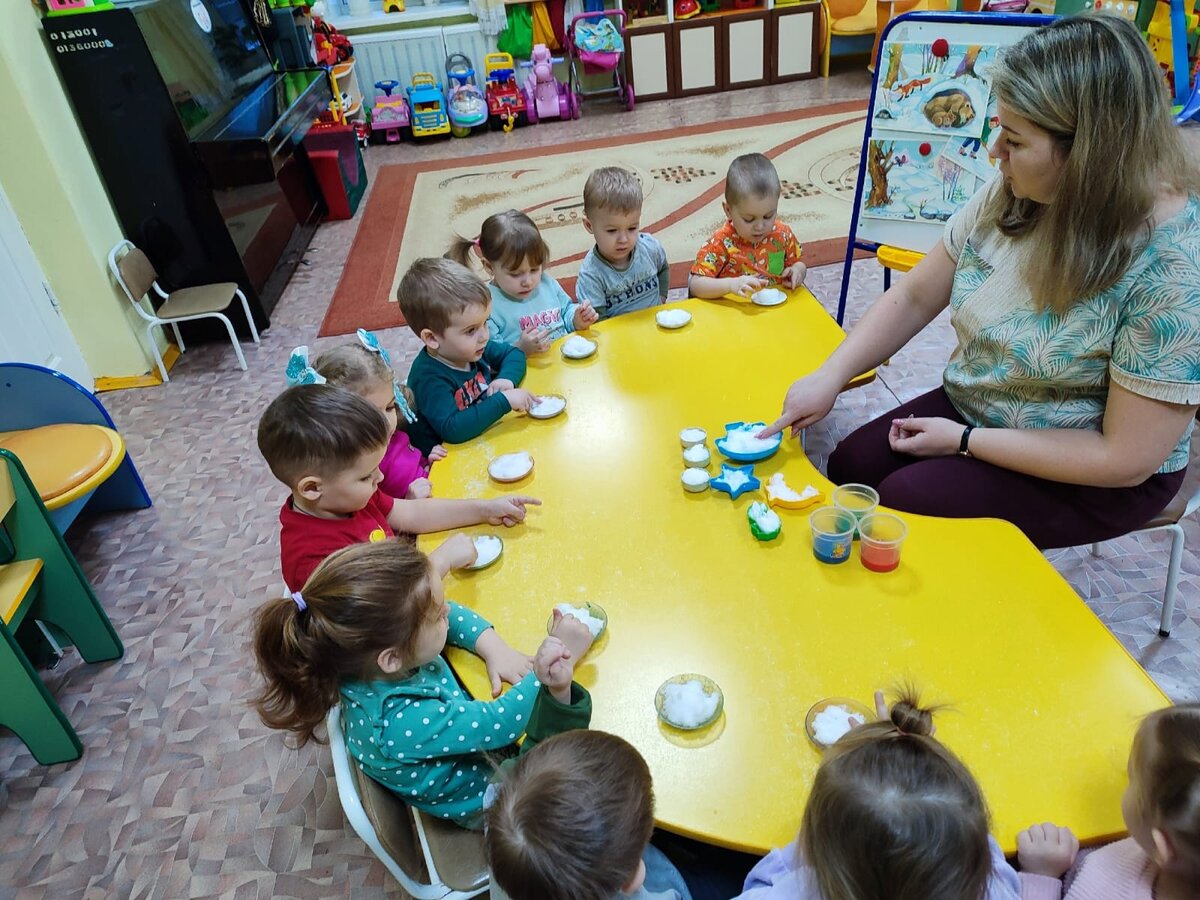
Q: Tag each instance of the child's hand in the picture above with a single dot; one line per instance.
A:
(496, 387)
(519, 399)
(419, 489)
(1046, 849)
(438, 452)
(534, 341)
(794, 276)
(555, 668)
(585, 315)
(503, 662)
(508, 511)
(745, 285)
(573, 633)
(456, 552)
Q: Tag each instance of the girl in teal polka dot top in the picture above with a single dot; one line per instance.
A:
(367, 630)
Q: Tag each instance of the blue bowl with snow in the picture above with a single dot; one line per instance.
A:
(740, 444)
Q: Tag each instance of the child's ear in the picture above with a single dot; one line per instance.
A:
(390, 661)
(638, 879)
(725, 207)
(587, 225)
(429, 339)
(1164, 847)
(309, 487)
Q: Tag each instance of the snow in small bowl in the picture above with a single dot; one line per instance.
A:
(768, 297)
(740, 443)
(765, 523)
(488, 548)
(694, 480)
(828, 720)
(587, 615)
(576, 347)
(689, 701)
(696, 455)
(511, 466)
(672, 318)
(690, 436)
(548, 406)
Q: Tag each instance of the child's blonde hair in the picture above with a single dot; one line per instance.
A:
(894, 815)
(614, 189)
(360, 601)
(358, 369)
(571, 819)
(1166, 763)
(507, 239)
(751, 176)
(433, 290)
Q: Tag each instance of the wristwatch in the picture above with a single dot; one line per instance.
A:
(963, 449)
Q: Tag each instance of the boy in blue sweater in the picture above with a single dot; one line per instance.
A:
(463, 382)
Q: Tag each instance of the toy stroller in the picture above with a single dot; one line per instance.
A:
(596, 42)
(464, 101)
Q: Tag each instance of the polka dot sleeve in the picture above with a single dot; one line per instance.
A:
(466, 626)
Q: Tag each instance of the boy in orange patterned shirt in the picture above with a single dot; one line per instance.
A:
(753, 249)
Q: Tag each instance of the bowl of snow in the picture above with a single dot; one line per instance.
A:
(547, 406)
(768, 297)
(689, 437)
(832, 717)
(510, 467)
(590, 614)
(697, 456)
(488, 548)
(672, 318)
(689, 702)
(576, 347)
(741, 445)
(695, 480)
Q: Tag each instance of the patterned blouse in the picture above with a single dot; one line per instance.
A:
(1015, 367)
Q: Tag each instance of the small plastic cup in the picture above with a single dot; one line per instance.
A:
(882, 537)
(858, 499)
(832, 534)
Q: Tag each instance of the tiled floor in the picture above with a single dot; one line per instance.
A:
(181, 791)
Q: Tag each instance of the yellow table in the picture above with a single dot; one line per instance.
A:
(1045, 700)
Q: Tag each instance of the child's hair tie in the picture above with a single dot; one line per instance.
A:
(300, 371)
(369, 340)
(298, 599)
(478, 246)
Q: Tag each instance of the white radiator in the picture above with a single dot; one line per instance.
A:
(383, 56)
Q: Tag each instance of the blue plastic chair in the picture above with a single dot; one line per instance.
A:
(32, 396)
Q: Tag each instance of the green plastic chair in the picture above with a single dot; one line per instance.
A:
(40, 582)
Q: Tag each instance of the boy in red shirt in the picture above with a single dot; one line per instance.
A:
(753, 249)
(325, 443)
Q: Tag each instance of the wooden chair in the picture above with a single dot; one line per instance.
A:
(137, 276)
(67, 442)
(42, 590)
(431, 858)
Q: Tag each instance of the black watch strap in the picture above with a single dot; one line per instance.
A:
(963, 448)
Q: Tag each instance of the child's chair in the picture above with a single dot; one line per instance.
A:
(43, 596)
(431, 858)
(850, 21)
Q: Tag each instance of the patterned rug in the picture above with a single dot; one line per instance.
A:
(414, 210)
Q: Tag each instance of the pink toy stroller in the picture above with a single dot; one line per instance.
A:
(596, 41)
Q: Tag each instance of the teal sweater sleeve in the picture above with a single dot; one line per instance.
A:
(506, 361)
(451, 403)
(466, 626)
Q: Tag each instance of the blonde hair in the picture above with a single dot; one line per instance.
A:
(358, 369)
(506, 239)
(751, 176)
(433, 290)
(360, 601)
(1090, 82)
(894, 815)
(612, 188)
(1166, 758)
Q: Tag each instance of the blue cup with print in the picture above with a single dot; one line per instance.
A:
(832, 534)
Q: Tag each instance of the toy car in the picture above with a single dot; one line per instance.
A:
(427, 106)
(545, 96)
(465, 102)
(505, 100)
(389, 115)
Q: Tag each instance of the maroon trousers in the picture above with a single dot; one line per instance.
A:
(1051, 514)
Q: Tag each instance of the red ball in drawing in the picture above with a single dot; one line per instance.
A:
(941, 48)
(925, 149)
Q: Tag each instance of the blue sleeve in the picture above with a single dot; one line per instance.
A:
(589, 287)
(506, 362)
(664, 272)
(466, 626)
(566, 306)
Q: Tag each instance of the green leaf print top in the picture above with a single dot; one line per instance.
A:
(1015, 367)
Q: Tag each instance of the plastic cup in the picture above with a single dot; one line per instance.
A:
(832, 534)
(882, 537)
(858, 499)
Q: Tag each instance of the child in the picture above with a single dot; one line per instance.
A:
(572, 819)
(463, 382)
(529, 309)
(366, 631)
(1161, 807)
(753, 248)
(326, 444)
(893, 815)
(627, 269)
(365, 369)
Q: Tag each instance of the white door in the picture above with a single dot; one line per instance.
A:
(32, 329)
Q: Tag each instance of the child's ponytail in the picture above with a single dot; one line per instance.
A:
(508, 239)
(359, 602)
(460, 250)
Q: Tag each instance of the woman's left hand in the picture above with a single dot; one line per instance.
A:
(925, 437)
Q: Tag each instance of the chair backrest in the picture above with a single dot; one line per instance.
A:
(843, 9)
(31, 396)
(8, 495)
(133, 271)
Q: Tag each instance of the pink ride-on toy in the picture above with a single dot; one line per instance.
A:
(545, 96)
(597, 42)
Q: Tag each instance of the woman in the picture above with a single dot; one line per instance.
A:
(1074, 285)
